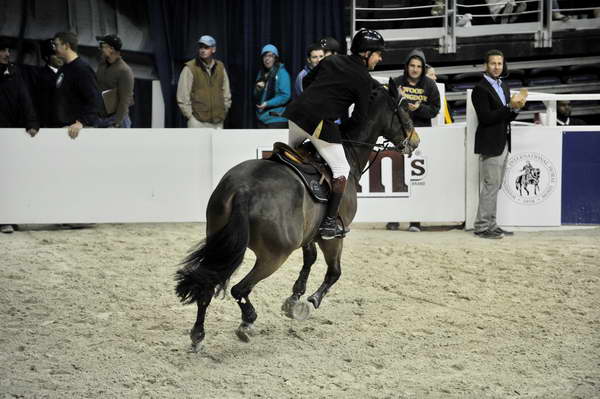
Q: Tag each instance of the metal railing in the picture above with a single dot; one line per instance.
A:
(458, 19)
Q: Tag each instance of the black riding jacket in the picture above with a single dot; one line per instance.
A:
(337, 82)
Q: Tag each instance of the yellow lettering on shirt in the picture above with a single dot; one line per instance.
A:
(414, 93)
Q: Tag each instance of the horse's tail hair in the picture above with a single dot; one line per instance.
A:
(212, 262)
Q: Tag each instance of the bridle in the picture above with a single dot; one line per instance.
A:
(406, 148)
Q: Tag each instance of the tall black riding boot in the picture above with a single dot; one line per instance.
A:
(329, 228)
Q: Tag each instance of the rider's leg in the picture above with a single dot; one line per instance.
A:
(336, 158)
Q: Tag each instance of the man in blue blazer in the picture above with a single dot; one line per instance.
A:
(495, 110)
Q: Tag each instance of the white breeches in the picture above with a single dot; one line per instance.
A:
(331, 152)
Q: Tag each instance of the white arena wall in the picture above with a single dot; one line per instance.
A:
(167, 175)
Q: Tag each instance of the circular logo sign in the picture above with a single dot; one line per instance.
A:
(530, 178)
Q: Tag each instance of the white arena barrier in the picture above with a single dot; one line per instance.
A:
(167, 175)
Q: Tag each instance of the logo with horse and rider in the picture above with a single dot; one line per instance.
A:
(530, 178)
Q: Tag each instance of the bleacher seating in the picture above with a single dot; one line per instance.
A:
(532, 30)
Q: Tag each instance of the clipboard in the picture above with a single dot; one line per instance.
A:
(111, 99)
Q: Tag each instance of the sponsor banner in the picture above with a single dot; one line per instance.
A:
(429, 186)
(531, 190)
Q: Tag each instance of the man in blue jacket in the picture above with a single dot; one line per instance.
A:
(314, 55)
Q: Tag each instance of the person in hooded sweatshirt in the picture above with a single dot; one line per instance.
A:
(272, 90)
(422, 100)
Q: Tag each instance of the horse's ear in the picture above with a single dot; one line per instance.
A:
(393, 88)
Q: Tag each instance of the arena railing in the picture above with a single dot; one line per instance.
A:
(450, 21)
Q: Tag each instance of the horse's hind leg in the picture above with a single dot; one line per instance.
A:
(263, 268)
(292, 307)
(332, 250)
(197, 334)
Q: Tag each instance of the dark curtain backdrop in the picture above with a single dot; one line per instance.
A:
(241, 29)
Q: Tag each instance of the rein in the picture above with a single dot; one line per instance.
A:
(385, 145)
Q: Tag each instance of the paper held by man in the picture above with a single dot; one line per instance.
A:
(111, 99)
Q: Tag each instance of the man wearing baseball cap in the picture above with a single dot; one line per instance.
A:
(115, 79)
(203, 92)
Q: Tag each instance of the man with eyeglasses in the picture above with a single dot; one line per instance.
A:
(115, 80)
(78, 98)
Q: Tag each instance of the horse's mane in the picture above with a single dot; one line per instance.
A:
(378, 89)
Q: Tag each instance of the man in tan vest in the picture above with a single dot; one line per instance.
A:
(203, 93)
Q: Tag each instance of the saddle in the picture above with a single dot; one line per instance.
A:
(308, 165)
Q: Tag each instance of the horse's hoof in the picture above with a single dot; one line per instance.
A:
(286, 306)
(197, 337)
(194, 348)
(315, 301)
(295, 309)
(300, 311)
(244, 332)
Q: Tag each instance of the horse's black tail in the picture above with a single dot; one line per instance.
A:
(215, 259)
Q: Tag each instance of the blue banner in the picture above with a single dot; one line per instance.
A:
(581, 178)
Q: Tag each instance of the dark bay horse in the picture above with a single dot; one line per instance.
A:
(263, 205)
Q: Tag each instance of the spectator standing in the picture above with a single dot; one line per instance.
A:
(272, 90)
(314, 54)
(78, 98)
(330, 46)
(45, 85)
(495, 110)
(419, 92)
(16, 108)
(422, 99)
(430, 73)
(115, 80)
(203, 92)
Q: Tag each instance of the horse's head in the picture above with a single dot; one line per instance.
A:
(398, 127)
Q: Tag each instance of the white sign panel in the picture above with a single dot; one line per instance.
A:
(232, 147)
(105, 176)
(531, 191)
(429, 188)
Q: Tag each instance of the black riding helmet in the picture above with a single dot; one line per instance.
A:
(330, 44)
(367, 40)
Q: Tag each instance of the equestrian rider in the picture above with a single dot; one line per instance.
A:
(330, 88)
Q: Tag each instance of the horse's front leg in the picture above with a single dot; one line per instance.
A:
(332, 250)
(309, 257)
(292, 307)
